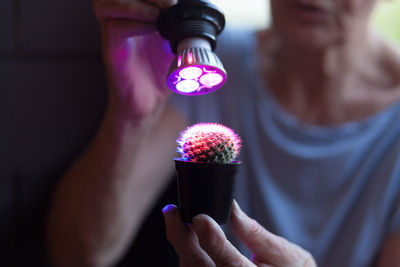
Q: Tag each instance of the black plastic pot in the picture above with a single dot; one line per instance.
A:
(206, 188)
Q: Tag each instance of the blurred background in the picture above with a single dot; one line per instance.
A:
(386, 17)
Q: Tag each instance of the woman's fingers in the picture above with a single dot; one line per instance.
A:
(212, 239)
(204, 244)
(163, 3)
(123, 9)
(184, 240)
(131, 9)
(258, 240)
(266, 247)
(118, 30)
(120, 19)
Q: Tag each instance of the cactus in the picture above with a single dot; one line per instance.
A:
(209, 142)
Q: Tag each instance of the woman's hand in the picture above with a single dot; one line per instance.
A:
(136, 57)
(204, 244)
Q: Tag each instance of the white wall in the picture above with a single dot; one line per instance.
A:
(253, 13)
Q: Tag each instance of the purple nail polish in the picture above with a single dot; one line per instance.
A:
(168, 208)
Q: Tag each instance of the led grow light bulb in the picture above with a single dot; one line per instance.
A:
(196, 63)
(191, 26)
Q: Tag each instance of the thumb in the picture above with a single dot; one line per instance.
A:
(212, 239)
(265, 246)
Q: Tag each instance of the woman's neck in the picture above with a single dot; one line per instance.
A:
(326, 86)
(324, 70)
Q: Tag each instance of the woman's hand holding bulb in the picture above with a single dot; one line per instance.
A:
(136, 57)
(91, 220)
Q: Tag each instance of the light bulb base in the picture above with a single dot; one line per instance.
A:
(195, 18)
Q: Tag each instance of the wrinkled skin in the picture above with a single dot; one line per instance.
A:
(203, 244)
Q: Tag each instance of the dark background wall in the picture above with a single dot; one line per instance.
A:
(52, 99)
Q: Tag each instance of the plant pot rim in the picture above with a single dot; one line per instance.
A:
(233, 162)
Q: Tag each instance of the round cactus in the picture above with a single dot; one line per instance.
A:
(208, 142)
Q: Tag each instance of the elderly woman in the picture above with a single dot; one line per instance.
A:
(315, 99)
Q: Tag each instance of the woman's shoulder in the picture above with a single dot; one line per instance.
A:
(384, 70)
(390, 57)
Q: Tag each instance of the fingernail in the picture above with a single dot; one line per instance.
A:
(164, 3)
(237, 207)
(152, 12)
(198, 223)
(236, 210)
(168, 211)
(168, 3)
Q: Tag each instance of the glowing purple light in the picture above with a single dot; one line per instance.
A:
(190, 73)
(190, 58)
(196, 79)
(180, 61)
(211, 79)
(187, 86)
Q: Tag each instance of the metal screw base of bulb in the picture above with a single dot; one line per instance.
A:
(190, 19)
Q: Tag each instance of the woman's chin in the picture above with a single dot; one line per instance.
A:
(316, 39)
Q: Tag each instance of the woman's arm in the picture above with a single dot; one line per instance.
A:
(103, 198)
